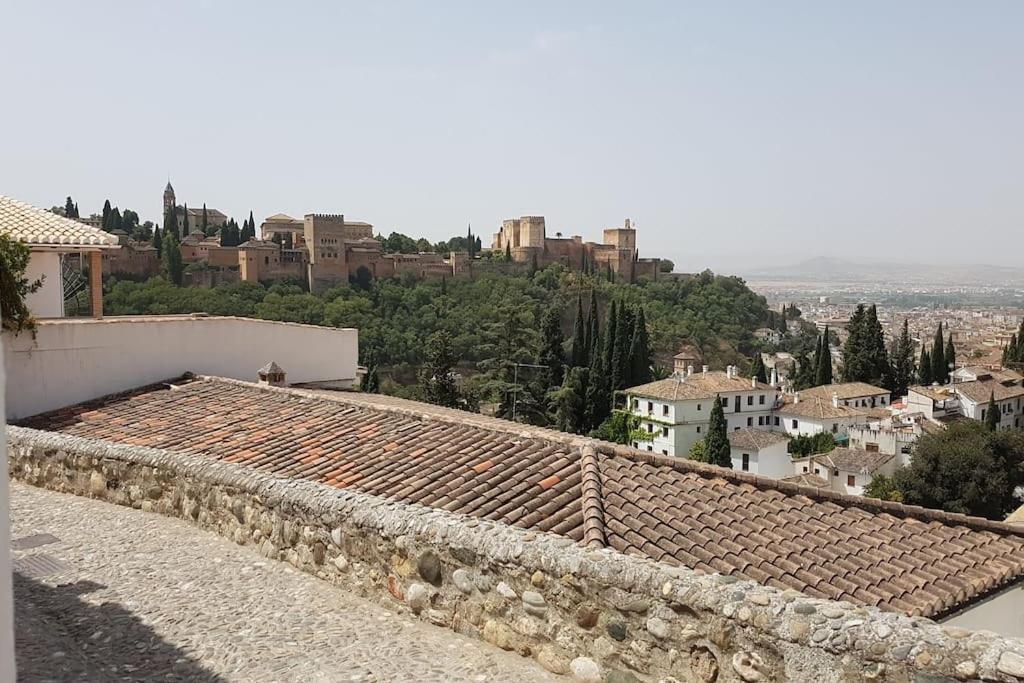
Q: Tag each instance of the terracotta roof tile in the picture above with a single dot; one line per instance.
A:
(827, 545)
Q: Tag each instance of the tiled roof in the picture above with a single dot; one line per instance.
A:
(755, 439)
(981, 390)
(818, 409)
(35, 226)
(846, 390)
(934, 393)
(807, 480)
(281, 218)
(853, 459)
(710, 519)
(697, 385)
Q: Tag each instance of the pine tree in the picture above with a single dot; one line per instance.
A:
(950, 355)
(552, 351)
(157, 242)
(579, 337)
(940, 372)
(69, 209)
(716, 441)
(204, 222)
(903, 362)
(992, 414)
(106, 215)
(757, 370)
(640, 351)
(172, 263)
(854, 364)
(924, 369)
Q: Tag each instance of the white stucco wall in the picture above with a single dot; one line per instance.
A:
(1002, 613)
(772, 461)
(48, 300)
(6, 594)
(74, 360)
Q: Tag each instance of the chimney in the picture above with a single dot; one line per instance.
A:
(835, 400)
(705, 370)
(775, 378)
(689, 370)
(753, 383)
(796, 397)
(272, 375)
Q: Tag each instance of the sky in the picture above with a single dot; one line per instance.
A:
(735, 135)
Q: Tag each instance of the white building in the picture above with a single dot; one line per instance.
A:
(974, 400)
(51, 240)
(935, 403)
(675, 411)
(768, 335)
(805, 417)
(760, 452)
(846, 470)
(851, 394)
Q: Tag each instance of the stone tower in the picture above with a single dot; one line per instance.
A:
(168, 197)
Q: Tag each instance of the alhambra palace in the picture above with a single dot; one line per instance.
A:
(326, 250)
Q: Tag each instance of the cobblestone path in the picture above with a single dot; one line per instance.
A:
(106, 593)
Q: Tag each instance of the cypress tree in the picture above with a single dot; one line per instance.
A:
(608, 355)
(877, 358)
(172, 264)
(533, 264)
(598, 398)
(716, 441)
(157, 241)
(106, 215)
(903, 362)
(1010, 351)
(992, 414)
(170, 222)
(552, 350)
(184, 224)
(469, 240)
(815, 363)
(115, 219)
(854, 365)
(757, 370)
(593, 330)
(204, 221)
(823, 371)
(569, 409)
(640, 351)
(924, 371)
(69, 209)
(579, 339)
(940, 372)
(623, 339)
(252, 226)
(444, 286)
(950, 355)
(508, 251)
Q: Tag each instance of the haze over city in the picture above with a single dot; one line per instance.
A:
(732, 136)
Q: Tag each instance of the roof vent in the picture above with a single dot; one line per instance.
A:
(796, 397)
(272, 375)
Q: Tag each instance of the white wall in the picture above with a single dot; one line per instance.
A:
(74, 360)
(6, 590)
(772, 461)
(48, 300)
(1002, 613)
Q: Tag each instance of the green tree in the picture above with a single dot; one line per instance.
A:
(964, 468)
(950, 355)
(924, 368)
(363, 279)
(902, 362)
(877, 356)
(437, 378)
(105, 224)
(70, 209)
(184, 223)
(157, 242)
(171, 223)
(640, 351)
(508, 252)
(698, 452)
(371, 380)
(617, 428)
(593, 330)
(570, 413)
(1010, 351)
(598, 399)
(855, 360)
(757, 370)
(823, 373)
(884, 488)
(940, 372)
(15, 286)
(173, 266)
(579, 336)
(552, 350)
(115, 220)
(716, 441)
(204, 221)
(992, 414)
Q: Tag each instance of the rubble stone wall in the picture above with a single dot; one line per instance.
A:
(594, 614)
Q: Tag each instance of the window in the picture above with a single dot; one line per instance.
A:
(650, 427)
(650, 407)
(735, 429)
(760, 399)
(835, 428)
(805, 469)
(664, 409)
(746, 462)
(750, 400)
(776, 420)
(871, 447)
(698, 407)
(636, 445)
(982, 413)
(664, 451)
(650, 448)
(760, 420)
(636, 404)
(850, 480)
(750, 422)
(736, 404)
(817, 470)
(796, 424)
(266, 260)
(664, 431)
(698, 429)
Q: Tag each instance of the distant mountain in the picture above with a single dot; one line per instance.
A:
(830, 269)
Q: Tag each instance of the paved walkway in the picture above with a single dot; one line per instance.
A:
(105, 593)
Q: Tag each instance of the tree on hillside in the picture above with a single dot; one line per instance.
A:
(70, 208)
(964, 468)
(508, 252)
(14, 285)
(184, 224)
(623, 340)
(437, 378)
(172, 264)
(805, 370)
(902, 362)
(823, 373)
(878, 357)
(252, 227)
(992, 414)
(570, 412)
(598, 400)
(757, 370)
(640, 351)
(204, 221)
(593, 330)
(157, 242)
(371, 380)
(950, 354)
(552, 350)
(940, 371)
(924, 368)
(105, 224)
(171, 223)
(855, 365)
(1010, 351)
(579, 336)
(716, 441)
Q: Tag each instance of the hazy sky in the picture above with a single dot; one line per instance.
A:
(733, 133)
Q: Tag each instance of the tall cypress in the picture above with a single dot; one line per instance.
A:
(593, 330)
(757, 370)
(552, 351)
(623, 339)
(252, 226)
(950, 355)
(204, 221)
(106, 215)
(579, 337)
(184, 224)
(854, 363)
(1010, 351)
(157, 242)
(815, 363)
(877, 356)
(924, 368)
(640, 351)
(992, 415)
(940, 372)
(598, 398)
(716, 442)
(823, 372)
(903, 362)
(611, 325)
(69, 209)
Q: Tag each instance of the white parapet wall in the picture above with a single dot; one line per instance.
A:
(68, 361)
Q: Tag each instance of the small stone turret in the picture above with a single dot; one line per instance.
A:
(272, 375)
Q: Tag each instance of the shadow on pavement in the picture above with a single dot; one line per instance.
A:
(60, 637)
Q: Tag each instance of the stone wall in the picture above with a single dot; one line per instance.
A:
(596, 614)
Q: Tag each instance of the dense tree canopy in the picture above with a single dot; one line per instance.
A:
(14, 285)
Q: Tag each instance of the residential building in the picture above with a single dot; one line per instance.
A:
(850, 394)
(846, 470)
(895, 435)
(798, 416)
(768, 335)
(675, 411)
(935, 403)
(53, 239)
(760, 452)
(974, 400)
